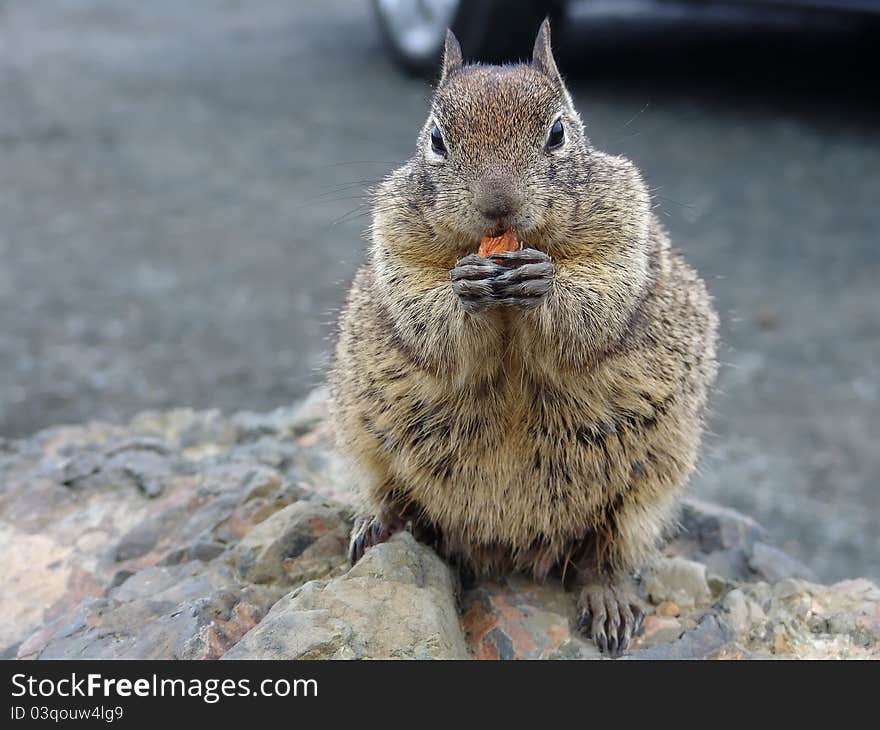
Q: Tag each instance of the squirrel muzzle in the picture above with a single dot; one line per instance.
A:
(497, 199)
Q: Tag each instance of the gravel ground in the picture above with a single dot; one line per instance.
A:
(179, 217)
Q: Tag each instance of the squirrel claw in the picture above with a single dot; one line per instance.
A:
(512, 259)
(367, 532)
(611, 615)
(472, 280)
(527, 277)
(511, 278)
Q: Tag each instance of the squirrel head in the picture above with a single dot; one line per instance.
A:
(503, 147)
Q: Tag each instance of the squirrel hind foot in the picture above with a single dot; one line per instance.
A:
(611, 614)
(370, 531)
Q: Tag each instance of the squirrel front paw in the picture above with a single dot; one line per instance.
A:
(526, 278)
(512, 279)
(472, 280)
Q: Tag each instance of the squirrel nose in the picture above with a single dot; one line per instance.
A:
(497, 199)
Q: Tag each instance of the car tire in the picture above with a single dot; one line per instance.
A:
(488, 30)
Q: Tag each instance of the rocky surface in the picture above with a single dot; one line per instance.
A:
(194, 535)
(397, 602)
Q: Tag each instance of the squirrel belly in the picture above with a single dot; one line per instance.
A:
(515, 461)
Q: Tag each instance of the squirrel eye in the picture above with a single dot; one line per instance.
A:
(556, 137)
(437, 143)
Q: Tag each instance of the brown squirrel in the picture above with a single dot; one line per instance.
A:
(540, 409)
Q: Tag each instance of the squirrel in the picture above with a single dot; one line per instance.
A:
(539, 410)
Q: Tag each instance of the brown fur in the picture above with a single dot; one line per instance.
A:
(524, 439)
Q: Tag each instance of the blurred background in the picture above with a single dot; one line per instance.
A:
(182, 207)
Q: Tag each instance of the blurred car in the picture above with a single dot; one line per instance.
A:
(503, 30)
(492, 30)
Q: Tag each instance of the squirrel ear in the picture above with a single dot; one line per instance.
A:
(542, 55)
(451, 56)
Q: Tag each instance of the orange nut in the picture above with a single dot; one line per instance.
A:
(497, 244)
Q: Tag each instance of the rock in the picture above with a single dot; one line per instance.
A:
(178, 612)
(36, 574)
(676, 580)
(146, 470)
(715, 529)
(188, 534)
(302, 419)
(703, 642)
(771, 564)
(809, 621)
(396, 603)
(260, 483)
(658, 629)
(301, 542)
(732, 546)
(137, 542)
(741, 611)
(204, 550)
(668, 608)
(520, 619)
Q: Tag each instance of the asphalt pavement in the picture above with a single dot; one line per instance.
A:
(181, 209)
